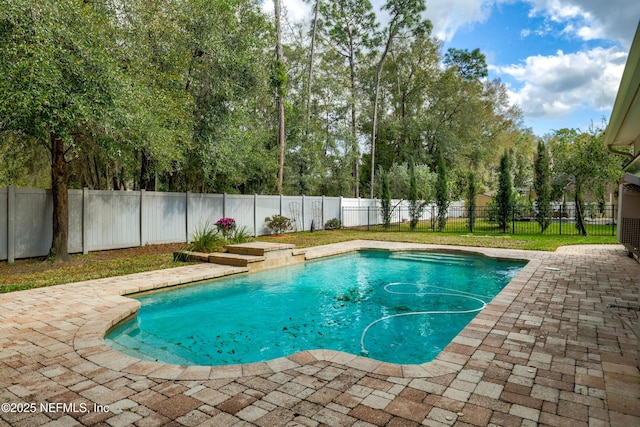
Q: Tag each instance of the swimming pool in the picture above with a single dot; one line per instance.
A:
(398, 307)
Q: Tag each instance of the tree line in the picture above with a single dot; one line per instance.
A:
(184, 95)
(218, 96)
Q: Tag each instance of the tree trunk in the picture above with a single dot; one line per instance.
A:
(147, 182)
(374, 125)
(314, 30)
(281, 142)
(580, 225)
(281, 134)
(355, 146)
(60, 244)
(376, 101)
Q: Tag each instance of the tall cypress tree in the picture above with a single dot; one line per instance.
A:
(281, 84)
(442, 193)
(542, 187)
(504, 197)
(414, 204)
(472, 189)
(385, 199)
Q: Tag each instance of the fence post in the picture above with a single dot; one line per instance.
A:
(186, 216)
(302, 212)
(613, 222)
(11, 224)
(281, 205)
(142, 236)
(368, 218)
(513, 220)
(85, 220)
(321, 226)
(340, 212)
(255, 214)
(561, 219)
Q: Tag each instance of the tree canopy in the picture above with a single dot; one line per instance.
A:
(583, 166)
(182, 96)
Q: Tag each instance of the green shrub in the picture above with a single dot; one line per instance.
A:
(205, 238)
(240, 235)
(278, 223)
(333, 224)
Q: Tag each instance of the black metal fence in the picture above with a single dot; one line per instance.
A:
(599, 220)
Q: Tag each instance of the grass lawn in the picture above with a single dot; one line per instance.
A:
(36, 273)
(541, 242)
(456, 226)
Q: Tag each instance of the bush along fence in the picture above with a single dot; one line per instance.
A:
(599, 220)
(101, 220)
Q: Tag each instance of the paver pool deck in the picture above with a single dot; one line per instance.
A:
(545, 351)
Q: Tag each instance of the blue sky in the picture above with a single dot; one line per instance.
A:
(562, 60)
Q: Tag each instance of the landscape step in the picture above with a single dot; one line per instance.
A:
(254, 256)
(238, 260)
(258, 248)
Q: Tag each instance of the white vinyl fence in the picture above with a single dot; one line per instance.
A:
(101, 220)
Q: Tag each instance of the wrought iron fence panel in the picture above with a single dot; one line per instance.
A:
(599, 220)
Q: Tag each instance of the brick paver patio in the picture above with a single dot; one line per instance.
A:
(546, 351)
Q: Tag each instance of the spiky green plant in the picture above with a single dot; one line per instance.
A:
(241, 235)
(205, 238)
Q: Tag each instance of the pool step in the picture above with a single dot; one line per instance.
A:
(237, 260)
(435, 258)
(258, 248)
(254, 255)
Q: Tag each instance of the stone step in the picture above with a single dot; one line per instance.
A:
(254, 256)
(238, 260)
(258, 248)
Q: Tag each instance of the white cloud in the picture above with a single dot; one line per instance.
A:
(294, 10)
(555, 86)
(584, 19)
(448, 16)
(592, 19)
(556, 10)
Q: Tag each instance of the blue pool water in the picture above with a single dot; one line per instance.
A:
(401, 307)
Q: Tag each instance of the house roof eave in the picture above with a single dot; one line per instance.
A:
(624, 124)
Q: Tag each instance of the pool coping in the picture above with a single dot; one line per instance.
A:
(89, 340)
